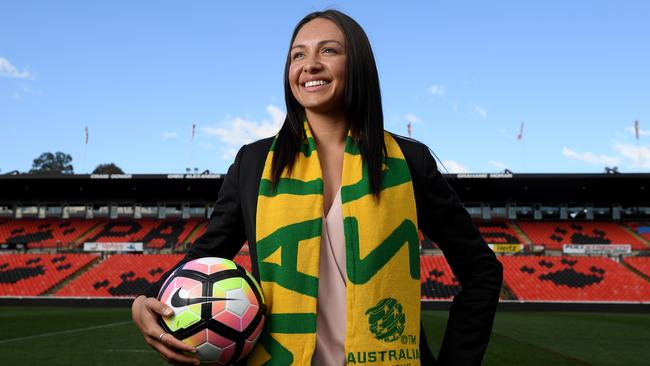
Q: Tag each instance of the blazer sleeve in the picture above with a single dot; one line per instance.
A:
(445, 221)
(225, 234)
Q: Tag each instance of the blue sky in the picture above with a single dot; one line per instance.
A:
(138, 74)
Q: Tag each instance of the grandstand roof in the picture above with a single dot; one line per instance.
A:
(596, 189)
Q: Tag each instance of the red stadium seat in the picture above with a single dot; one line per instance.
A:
(436, 278)
(498, 233)
(568, 278)
(641, 264)
(69, 233)
(34, 274)
(50, 233)
(641, 228)
(553, 234)
(121, 275)
(153, 233)
(127, 275)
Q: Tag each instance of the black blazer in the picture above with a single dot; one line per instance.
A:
(441, 217)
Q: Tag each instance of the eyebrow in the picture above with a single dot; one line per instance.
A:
(319, 43)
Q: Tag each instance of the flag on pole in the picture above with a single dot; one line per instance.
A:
(521, 132)
(86, 135)
(193, 130)
(408, 128)
(636, 128)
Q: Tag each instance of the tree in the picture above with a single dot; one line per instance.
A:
(108, 168)
(57, 163)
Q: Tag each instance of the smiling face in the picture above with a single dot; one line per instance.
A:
(318, 66)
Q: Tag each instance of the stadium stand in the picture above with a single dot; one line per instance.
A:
(436, 278)
(50, 233)
(129, 274)
(167, 214)
(570, 278)
(35, 274)
(641, 228)
(553, 234)
(120, 275)
(641, 264)
(45, 233)
(153, 233)
(493, 233)
(498, 233)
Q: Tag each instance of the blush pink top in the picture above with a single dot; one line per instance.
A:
(331, 308)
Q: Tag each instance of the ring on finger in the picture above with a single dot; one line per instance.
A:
(160, 337)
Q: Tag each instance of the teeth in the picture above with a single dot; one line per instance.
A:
(315, 83)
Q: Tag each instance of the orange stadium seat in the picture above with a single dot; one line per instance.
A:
(121, 275)
(498, 233)
(642, 228)
(569, 278)
(48, 233)
(436, 278)
(641, 264)
(553, 234)
(153, 233)
(127, 275)
(34, 274)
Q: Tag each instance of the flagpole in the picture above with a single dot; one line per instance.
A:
(637, 131)
(192, 147)
(520, 137)
(85, 163)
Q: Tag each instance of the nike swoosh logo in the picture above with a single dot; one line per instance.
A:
(178, 301)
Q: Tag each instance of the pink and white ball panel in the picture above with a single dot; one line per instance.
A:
(213, 347)
(241, 307)
(252, 339)
(209, 265)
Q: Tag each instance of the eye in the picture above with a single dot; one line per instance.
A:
(297, 55)
(329, 50)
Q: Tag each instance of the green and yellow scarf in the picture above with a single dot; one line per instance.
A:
(382, 259)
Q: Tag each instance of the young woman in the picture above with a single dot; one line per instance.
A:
(330, 208)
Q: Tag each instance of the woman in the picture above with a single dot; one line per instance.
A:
(330, 208)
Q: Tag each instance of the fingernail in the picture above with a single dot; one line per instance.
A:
(169, 312)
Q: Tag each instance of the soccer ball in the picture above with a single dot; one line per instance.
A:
(218, 309)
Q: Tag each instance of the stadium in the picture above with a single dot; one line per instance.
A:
(75, 250)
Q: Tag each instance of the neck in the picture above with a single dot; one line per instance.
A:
(328, 129)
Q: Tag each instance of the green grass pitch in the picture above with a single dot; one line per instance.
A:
(106, 336)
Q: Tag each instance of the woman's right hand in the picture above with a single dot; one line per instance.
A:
(145, 312)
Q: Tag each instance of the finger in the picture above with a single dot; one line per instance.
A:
(172, 342)
(174, 357)
(158, 307)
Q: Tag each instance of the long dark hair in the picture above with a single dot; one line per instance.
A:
(362, 103)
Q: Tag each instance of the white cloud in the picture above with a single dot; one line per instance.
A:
(10, 71)
(277, 115)
(229, 154)
(238, 131)
(481, 111)
(169, 135)
(438, 90)
(208, 146)
(498, 164)
(639, 156)
(641, 132)
(591, 158)
(455, 167)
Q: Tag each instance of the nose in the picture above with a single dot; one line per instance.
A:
(312, 64)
